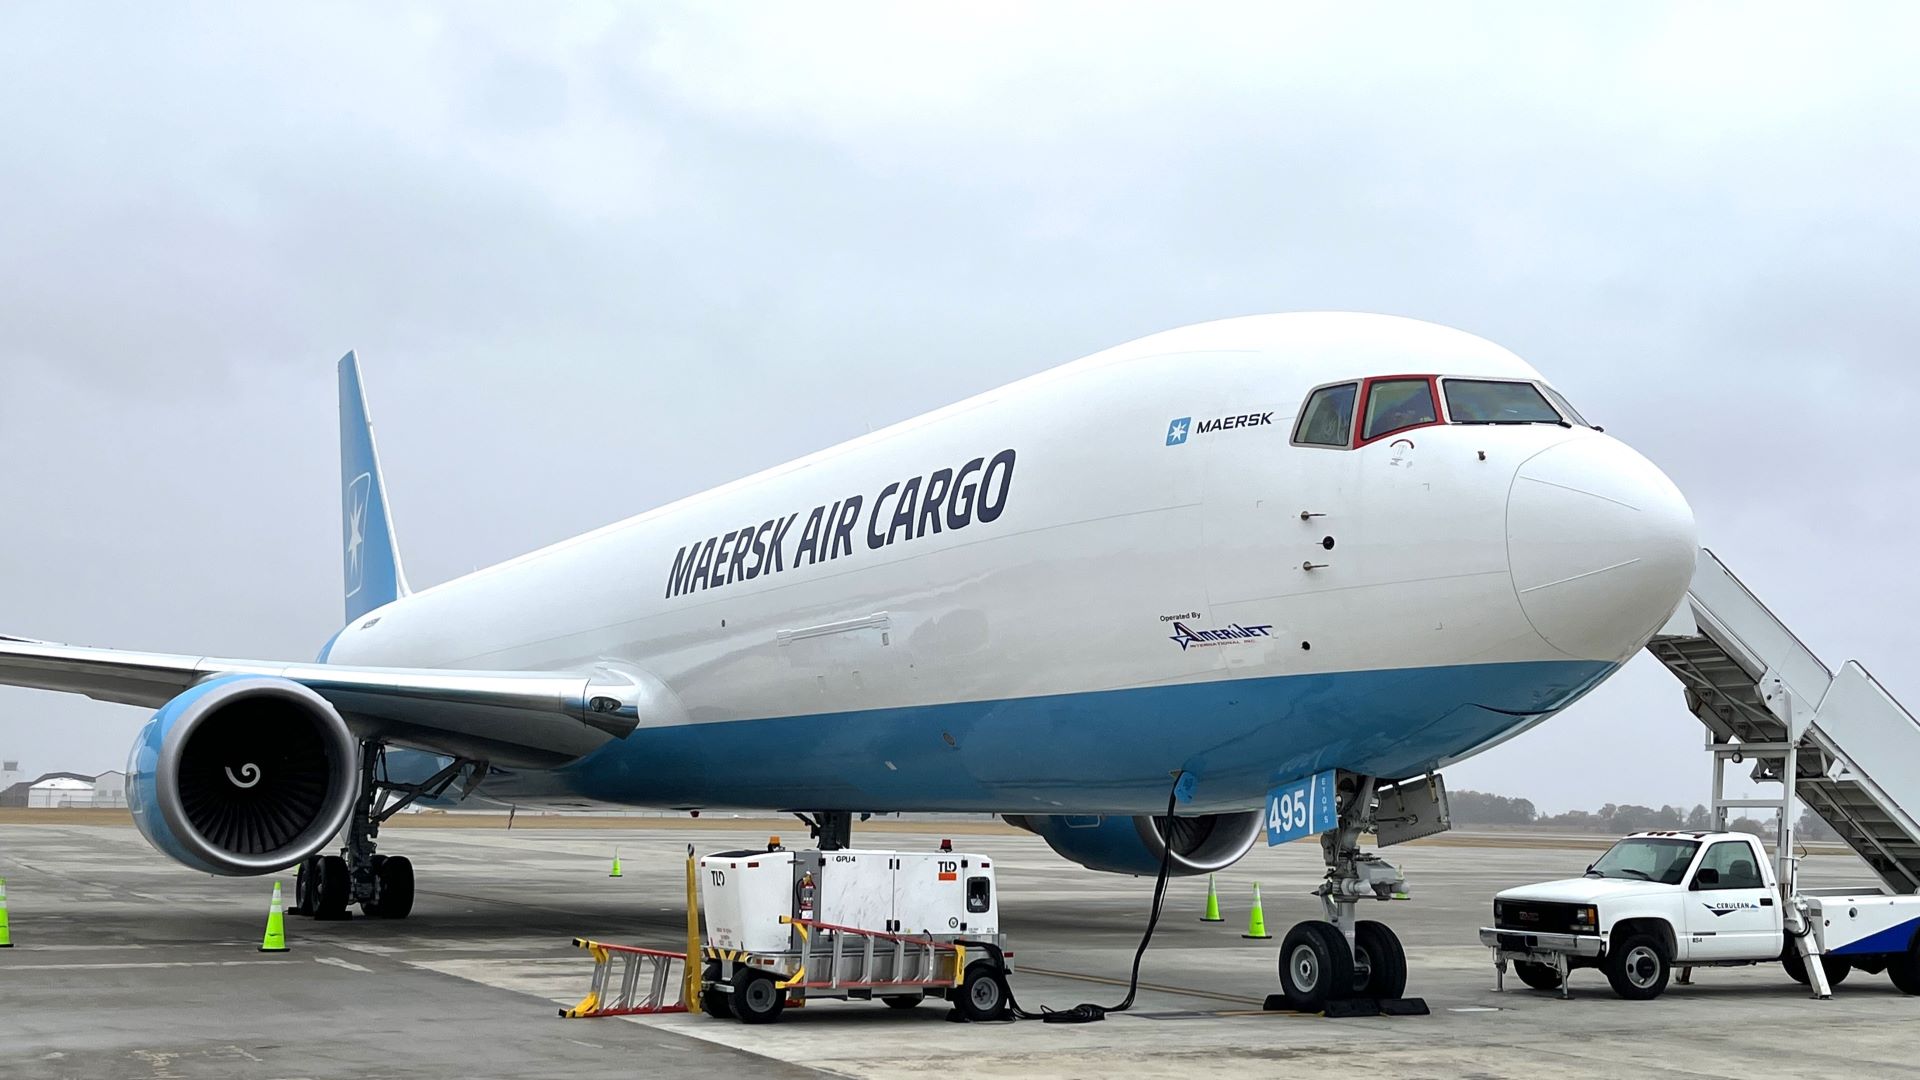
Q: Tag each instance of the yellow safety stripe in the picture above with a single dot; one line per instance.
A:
(800, 975)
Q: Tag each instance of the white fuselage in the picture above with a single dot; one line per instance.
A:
(1091, 602)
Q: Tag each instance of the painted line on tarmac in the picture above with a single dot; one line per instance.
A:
(339, 963)
(145, 964)
(1161, 988)
(79, 948)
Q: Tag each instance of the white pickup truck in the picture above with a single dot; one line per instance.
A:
(1660, 900)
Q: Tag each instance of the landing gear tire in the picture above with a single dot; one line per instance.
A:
(756, 998)
(332, 888)
(982, 994)
(1904, 970)
(903, 1002)
(1316, 966)
(393, 888)
(303, 879)
(1538, 976)
(1638, 966)
(1385, 973)
(1837, 967)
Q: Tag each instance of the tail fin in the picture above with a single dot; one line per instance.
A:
(371, 557)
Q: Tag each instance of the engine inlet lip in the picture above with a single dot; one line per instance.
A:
(341, 753)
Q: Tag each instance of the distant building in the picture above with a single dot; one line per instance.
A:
(60, 791)
(21, 793)
(9, 774)
(110, 789)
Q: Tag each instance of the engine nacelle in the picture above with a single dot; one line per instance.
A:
(243, 774)
(1135, 845)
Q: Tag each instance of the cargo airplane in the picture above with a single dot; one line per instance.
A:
(1240, 553)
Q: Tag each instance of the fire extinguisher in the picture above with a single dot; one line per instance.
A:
(803, 896)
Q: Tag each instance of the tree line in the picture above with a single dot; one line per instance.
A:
(1481, 808)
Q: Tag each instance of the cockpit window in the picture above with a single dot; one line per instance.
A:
(1476, 401)
(1566, 409)
(1328, 418)
(1393, 404)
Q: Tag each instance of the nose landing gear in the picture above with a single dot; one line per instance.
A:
(1340, 958)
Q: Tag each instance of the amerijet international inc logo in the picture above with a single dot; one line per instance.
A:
(356, 515)
(1233, 634)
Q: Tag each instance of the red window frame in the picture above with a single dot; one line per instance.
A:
(1366, 399)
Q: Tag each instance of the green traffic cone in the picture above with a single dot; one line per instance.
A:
(1256, 919)
(6, 936)
(276, 936)
(1213, 903)
(615, 872)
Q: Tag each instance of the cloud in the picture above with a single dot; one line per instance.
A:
(600, 258)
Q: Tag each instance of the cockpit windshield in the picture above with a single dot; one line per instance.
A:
(1647, 858)
(1566, 409)
(1477, 401)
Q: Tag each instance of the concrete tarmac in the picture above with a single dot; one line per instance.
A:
(126, 965)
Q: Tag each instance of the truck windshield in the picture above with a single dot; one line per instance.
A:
(1647, 858)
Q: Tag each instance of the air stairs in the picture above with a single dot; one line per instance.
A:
(1839, 743)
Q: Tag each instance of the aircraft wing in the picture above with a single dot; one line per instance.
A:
(533, 719)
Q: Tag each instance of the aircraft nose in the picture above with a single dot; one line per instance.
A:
(1601, 546)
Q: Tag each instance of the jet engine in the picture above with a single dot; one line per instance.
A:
(1134, 845)
(243, 774)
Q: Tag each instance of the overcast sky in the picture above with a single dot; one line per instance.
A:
(600, 259)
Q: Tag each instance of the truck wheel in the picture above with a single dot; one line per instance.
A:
(1538, 976)
(1315, 965)
(982, 994)
(756, 1000)
(1904, 970)
(1379, 946)
(903, 1001)
(1638, 966)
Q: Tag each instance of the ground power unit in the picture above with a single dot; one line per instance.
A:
(894, 925)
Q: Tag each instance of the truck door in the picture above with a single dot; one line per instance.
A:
(1732, 913)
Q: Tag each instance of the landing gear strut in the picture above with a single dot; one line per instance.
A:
(326, 885)
(832, 829)
(1342, 956)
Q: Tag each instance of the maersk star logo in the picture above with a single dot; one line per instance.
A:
(1177, 431)
(356, 512)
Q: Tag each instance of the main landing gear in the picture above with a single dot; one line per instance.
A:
(326, 885)
(1343, 957)
(831, 829)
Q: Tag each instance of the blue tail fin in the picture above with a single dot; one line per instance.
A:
(371, 558)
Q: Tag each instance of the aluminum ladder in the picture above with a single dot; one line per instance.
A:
(630, 981)
(1839, 743)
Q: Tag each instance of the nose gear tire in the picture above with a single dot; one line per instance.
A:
(1316, 966)
(1386, 972)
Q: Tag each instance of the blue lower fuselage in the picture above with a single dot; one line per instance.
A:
(1099, 752)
